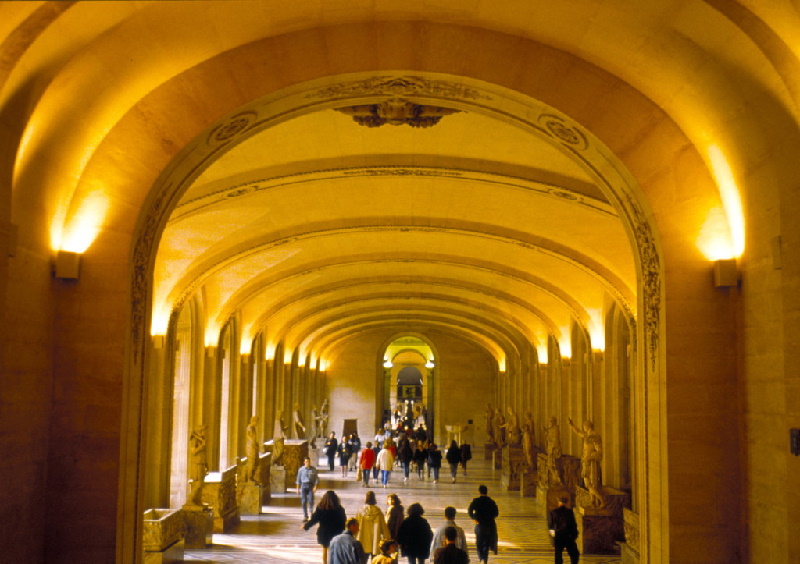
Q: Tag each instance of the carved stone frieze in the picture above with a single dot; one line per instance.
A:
(564, 131)
(162, 528)
(399, 86)
(232, 127)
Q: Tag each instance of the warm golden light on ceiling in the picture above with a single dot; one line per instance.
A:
(731, 200)
(714, 239)
(84, 226)
(597, 330)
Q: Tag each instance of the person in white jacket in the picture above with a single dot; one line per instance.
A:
(384, 463)
(372, 528)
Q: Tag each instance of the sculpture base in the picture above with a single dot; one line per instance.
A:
(513, 460)
(550, 496)
(601, 529)
(488, 450)
(629, 554)
(199, 527)
(528, 480)
(170, 555)
(497, 460)
(277, 479)
(249, 496)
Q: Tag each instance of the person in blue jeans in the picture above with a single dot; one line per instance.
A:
(385, 462)
(307, 481)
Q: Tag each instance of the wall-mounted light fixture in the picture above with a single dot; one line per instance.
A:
(726, 274)
(67, 265)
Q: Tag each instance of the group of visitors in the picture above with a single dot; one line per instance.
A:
(374, 536)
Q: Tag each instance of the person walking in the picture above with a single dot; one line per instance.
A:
(453, 459)
(434, 461)
(354, 442)
(420, 456)
(331, 446)
(331, 518)
(344, 456)
(366, 463)
(450, 553)
(345, 548)
(405, 454)
(564, 530)
(415, 535)
(307, 481)
(394, 515)
(385, 463)
(483, 510)
(372, 527)
(449, 521)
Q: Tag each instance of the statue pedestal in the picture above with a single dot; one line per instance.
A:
(488, 450)
(497, 459)
(294, 453)
(630, 548)
(600, 528)
(549, 495)
(162, 536)
(219, 492)
(277, 479)
(528, 480)
(264, 473)
(249, 497)
(198, 526)
(513, 459)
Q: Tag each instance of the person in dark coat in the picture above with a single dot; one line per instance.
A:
(564, 530)
(394, 515)
(415, 535)
(420, 456)
(405, 454)
(466, 456)
(483, 510)
(344, 456)
(453, 459)
(331, 518)
(331, 446)
(434, 461)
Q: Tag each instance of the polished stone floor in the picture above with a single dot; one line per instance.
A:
(276, 536)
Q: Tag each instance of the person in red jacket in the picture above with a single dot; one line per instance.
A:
(366, 463)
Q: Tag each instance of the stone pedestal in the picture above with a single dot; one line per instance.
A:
(497, 459)
(528, 481)
(600, 529)
(549, 496)
(219, 492)
(294, 453)
(198, 526)
(264, 473)
(513, 460)
(488, 451)
(630, 548)
(277, 479)
(248, 498)
(162, 536)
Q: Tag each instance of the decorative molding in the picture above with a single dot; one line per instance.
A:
(399, 86)
(396, 111)
(234, 126)
(631, 525)
(564, 131)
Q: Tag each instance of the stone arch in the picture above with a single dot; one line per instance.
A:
(560, 128)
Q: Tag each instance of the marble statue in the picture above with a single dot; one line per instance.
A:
(299, 424)
(323, 419)
(252, 451)
(528, 450)
(198, 467)
(278, 440)
(513, 433)
(499, 427)
(590, 461)
(489, 416)
(314, 427)
(553, 450)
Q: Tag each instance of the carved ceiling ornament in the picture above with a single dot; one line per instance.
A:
(399, 87)
(396, 111)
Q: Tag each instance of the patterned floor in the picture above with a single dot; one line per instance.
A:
(276, 536)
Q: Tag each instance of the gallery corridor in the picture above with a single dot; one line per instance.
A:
(277, 537)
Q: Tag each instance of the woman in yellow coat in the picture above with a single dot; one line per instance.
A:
(372, 529)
